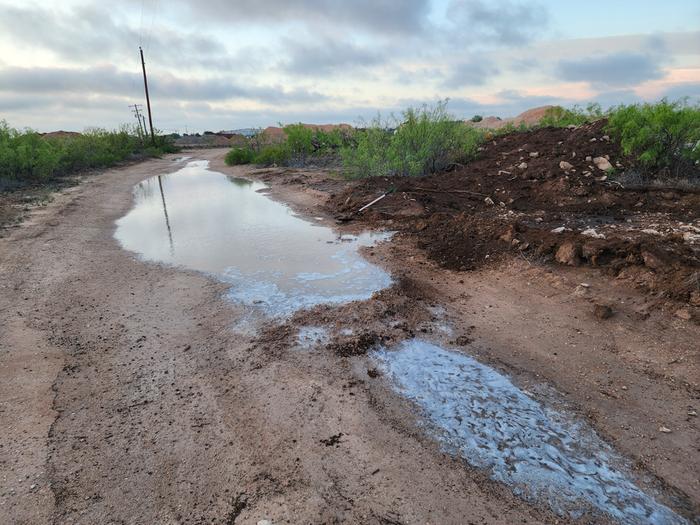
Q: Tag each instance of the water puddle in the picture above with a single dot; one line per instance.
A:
(275, 262)
(544, 455)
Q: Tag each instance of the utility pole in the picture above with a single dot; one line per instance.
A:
(148, 100)
(142, 129)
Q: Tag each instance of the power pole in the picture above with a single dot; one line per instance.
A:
(142, 130)
(148, 100)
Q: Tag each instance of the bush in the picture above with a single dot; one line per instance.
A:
(238, 156)
(273, 154)
(426, 140)
(664, 137)
(477, 118)
(560, 117)
(27, 155)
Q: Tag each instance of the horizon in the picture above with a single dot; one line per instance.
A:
(256, 64)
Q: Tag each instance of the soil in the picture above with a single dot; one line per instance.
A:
(126, 398)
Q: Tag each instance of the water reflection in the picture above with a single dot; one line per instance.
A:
(275, 261)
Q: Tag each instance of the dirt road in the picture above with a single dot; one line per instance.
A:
(126, 398)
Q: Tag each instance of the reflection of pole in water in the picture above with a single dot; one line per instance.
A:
(167, 221)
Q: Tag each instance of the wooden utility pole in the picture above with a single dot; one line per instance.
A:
(142, 129)
(148, 100)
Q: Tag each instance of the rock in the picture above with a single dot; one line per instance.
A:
(503, 172)
(653, 260)
(580, 291)
(665, 430)
(489, 201)
(571, 126)
(590, 232)
(593, 140)
(534, 154)
(602, 311)
(589, 158)
(568, 253)
(606, 138)
(566, 166)
(683, 313)
(522, 166)
(560, 229)
(602, 163)
(695, 298)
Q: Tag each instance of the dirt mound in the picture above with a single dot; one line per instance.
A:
(60, 134)
(276, 135)
(528, 118)
(544, 194)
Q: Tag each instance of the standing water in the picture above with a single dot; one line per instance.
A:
(545, 455)
(275, 262)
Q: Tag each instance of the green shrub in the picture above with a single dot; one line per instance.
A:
(663, 137)
(477, 118)
(27, 155)
(299, 143)
(273, 154)
(426, 140)
(238, 156)
(561, 117)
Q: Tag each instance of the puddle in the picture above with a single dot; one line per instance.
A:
(275, 262)
(544, 455)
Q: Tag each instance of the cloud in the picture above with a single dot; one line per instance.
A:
(470, 73)
(375, 16)
(498, 22)
(108, 80)
(91, 33)
(626, 68)
(327, 56)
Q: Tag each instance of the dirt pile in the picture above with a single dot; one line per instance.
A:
(528, 118)
(548, 194)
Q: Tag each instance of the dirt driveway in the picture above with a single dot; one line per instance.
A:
(126, 398)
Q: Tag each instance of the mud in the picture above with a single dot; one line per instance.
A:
(148, 408)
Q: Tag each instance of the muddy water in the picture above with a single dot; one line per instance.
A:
(544, 455)
(274, 261)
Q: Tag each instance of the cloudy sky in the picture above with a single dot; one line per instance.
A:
(223, 64)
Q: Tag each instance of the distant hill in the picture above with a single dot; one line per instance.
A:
(529, 118)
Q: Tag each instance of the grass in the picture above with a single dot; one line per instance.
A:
(28, 157)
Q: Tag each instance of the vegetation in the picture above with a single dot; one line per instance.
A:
(302, 145)
(561, 117)
(423, 141)
(663, 137)
(27, 156)
(238, 156)
(477, 118)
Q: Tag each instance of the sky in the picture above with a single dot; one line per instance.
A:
(227, 64)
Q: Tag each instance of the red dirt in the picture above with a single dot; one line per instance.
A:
(516, 198)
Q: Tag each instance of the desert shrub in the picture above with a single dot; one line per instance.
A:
(27, 155)
(272, 154)
(299, 143)
(424, 140)
(238, 156)
(664, 137)
(477, 118)
(561, 117)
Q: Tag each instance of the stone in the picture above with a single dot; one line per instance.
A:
(589, 158)
(602, 163)
(683, 313)
(566, 166)
(489, 201)
(602, 311)
(522, 166)
(568, 253)
(665, 430)
(534, 154)
(590, 232)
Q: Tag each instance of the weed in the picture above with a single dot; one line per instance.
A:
(561, 117)
(425, 140)
(664, 137)
(238, 156)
